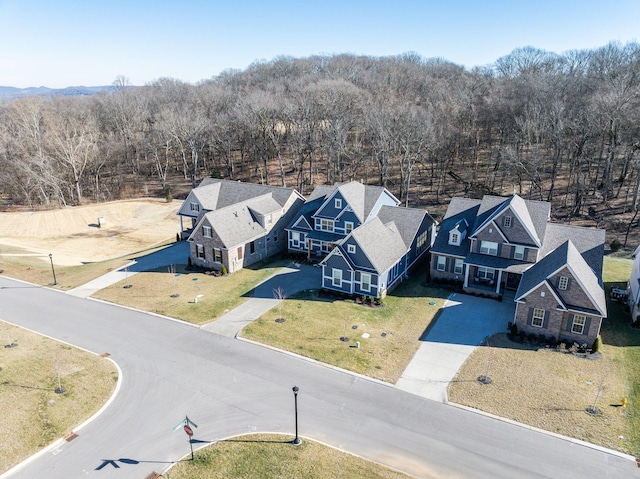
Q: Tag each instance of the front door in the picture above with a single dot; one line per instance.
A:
(513, 280)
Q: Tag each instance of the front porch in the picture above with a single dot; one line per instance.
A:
(491, 282)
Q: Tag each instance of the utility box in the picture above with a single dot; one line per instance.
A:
(100, 221)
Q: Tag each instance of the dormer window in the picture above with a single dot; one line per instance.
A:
(455, 237)
(338, 203)
(195, 207)
(267, 220)
(507, 221)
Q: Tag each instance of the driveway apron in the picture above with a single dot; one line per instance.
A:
(463, 324)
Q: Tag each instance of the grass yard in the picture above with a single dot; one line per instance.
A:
(34, 270)
(32, 415)
(314, 325)
(154, 291)
(551, 390)
(270, 456)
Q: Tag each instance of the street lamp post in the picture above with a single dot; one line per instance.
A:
(53, 270)
(296, 441)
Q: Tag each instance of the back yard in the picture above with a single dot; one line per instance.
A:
(551, 390)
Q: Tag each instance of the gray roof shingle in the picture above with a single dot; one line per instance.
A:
(407, 221)
(382, 243)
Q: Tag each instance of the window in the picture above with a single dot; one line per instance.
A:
(338, 203)
(441, 264)
(295, 239)
(337, 277)
(252, 247)
(486, 273)
(422, 240)
(489, 247)
(239, 252)
(200, 251)
(458, 266)
(267, 220)
(348, 227)
(537, 319)
(455, 238)
(365, 281)
(351, 248)
(326, 225)
(195, 207)
(206, 231)
(518, 252)
(217, 255)
(579, 321)
(507, 222)
(563, 283)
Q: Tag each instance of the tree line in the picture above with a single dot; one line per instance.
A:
(561, 128)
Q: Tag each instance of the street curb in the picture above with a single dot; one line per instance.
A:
(157, 315)
(548, 433)
(60, 441)
(168, 468)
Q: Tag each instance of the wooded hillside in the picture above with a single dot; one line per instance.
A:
(561, 128)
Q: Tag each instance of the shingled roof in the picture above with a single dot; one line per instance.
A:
(381, 243)
(214, 194)
(565, 255)
(406, 220)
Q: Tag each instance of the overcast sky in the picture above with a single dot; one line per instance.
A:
(58, 43)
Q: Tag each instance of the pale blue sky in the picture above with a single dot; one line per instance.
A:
(60, 43)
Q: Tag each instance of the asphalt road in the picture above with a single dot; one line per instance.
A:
(229, 387)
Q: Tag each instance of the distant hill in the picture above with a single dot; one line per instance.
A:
(11, 93)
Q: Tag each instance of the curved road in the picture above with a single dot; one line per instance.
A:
(229, 387)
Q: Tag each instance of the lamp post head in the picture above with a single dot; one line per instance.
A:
(295, 390)
(50, 256)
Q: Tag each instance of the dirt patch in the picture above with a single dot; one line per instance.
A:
(72, 234)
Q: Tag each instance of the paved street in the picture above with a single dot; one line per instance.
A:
(230, 387)
(463, 323)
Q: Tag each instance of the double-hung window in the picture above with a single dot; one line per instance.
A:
(326, 225)
(518, 252)
(337, 277)
(206, 231)
(217, 255)
(195, 206)
(486, 273)
(537, 319)
(365, 282)
(579, 322)
(200, 251)
(348, 227)
(458, 266)
(441, 263)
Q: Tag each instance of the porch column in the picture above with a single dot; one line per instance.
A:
(466, 275)
(181, 229)
(499, 281)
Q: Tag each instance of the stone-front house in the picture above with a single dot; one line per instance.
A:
(491, 247)
(375, 257)
(238, 224)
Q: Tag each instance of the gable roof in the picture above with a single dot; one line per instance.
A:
(533, 215)
(565, 255)
(234, 224)
(360, 198)
(406, 220)
(214, 193)
(588, 241)
(381, 243)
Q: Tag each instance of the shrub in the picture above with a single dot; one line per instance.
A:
(514, 329)
(169, 196)
(615, 245)
(223, 270)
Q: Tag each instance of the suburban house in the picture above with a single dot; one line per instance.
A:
(367, 242)
(236, 224)
(376, 256)
(497, 246)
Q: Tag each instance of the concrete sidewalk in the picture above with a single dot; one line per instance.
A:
(464, 322)
(291, 279)
(174, 254)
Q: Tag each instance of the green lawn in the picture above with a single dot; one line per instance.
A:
(315, 323)
(156, 291)
(268, 456)
(617, 332)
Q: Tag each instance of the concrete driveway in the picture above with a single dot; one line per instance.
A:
(462, 324)
(292, 279)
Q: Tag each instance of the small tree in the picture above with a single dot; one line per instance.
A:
(615, 245)
(279, 295)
